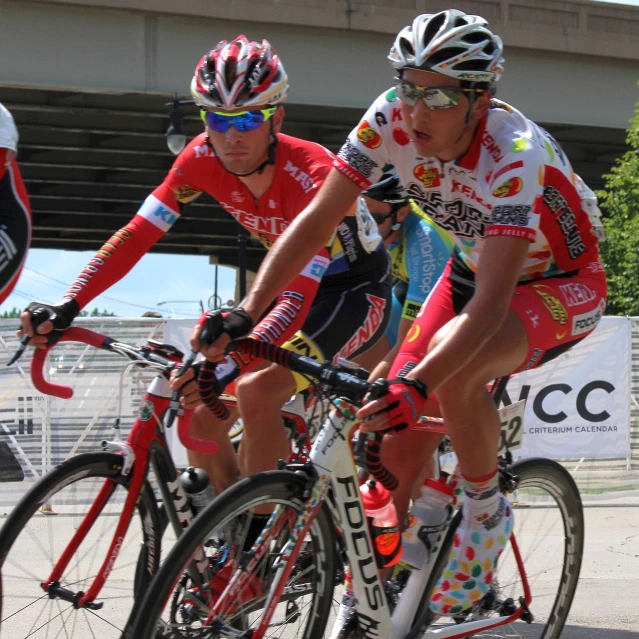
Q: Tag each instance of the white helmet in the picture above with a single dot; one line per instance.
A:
(451, 43)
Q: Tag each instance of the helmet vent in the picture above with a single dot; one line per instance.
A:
(433, 27)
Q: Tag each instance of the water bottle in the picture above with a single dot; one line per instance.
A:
(383, 523)
(425, 521)
(197, 486)
(421, 539)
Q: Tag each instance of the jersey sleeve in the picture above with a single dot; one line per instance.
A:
(515, 192)
(293, 305)
(126, 247)
(289, 312)
(368, 147)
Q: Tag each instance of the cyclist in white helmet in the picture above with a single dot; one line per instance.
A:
(524, 283)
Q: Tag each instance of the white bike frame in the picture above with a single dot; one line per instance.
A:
(333, 460)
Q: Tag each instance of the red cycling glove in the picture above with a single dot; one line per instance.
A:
(406, 398)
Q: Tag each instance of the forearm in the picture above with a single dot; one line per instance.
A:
(114, 260)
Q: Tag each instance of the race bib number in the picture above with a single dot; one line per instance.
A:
(512, 426)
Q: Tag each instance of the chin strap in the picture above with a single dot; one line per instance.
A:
(270, 155)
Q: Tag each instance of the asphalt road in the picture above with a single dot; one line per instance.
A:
(607, 600)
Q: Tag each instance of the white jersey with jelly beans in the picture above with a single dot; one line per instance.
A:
(514, 180)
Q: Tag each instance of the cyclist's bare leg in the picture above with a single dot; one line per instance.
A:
(261, 395)
(222, 467)
(473, 423)
(467, 408)
(407, 456)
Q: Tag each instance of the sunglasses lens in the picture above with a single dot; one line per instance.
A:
(247, 121)
(407, 93)
(442, 98)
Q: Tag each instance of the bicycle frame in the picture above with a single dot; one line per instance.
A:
(332, 458)
(145, 447)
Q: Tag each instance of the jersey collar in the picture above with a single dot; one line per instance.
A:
(469, 159)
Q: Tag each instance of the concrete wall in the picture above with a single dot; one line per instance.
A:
(566, 62)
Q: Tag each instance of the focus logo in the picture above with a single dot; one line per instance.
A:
(368, 136)
(585, 322)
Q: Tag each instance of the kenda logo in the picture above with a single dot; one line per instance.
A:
(256, 223)
(157, 213)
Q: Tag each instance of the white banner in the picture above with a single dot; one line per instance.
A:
(578, 405)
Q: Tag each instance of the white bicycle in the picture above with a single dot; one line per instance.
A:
(276, 574)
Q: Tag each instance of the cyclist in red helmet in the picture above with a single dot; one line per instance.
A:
(15, 211)
(338, 304)
(523, 285)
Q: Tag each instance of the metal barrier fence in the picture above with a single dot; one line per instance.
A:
(37, 432)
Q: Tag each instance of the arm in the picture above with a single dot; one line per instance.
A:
(497, 274)
(302, 240)
(111, 263)
(382, 369)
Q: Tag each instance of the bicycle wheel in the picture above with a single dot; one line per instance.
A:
(549, 531)
(173, 607)
(37, 531)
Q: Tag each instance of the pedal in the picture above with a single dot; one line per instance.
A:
(527, 616)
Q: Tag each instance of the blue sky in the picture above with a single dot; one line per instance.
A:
(155, 278)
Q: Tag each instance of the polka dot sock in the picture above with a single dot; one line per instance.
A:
(487, 521)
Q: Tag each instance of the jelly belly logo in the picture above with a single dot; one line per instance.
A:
(427, 175)
(554, 307)
(509, 188)
(368, 136)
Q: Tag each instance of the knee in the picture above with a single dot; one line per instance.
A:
(268, 388)
(461, 388)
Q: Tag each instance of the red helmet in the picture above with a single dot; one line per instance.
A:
(239, 74)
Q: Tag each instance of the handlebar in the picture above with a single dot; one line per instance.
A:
(97, 340)
(343, 382)
(73, 334)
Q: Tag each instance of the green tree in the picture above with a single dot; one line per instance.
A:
(12, 314)
(97, 313)
(620, 251)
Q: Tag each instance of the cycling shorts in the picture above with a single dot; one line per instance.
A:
(343, 323)
(15, 225)
(557, 312)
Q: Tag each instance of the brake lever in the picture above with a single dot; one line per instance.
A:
(379, 388)
(174, 405)
(20, 350)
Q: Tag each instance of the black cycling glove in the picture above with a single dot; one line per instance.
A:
(61, 315)
(236, 323)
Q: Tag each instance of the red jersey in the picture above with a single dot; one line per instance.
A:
(300, 168)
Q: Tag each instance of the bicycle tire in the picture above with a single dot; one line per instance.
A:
(284, 487)
(550, 611)
(28, 553)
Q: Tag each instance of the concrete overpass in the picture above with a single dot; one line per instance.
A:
(88, 80)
